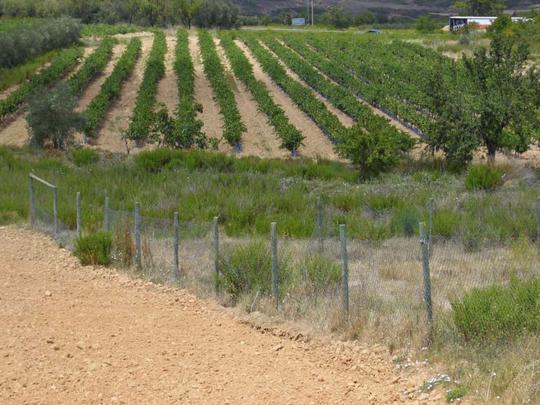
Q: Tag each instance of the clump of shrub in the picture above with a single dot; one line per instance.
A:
(499, 312)
(483, 177)
(320, 271)
(84, 157)
(245, 269)
(94, 249)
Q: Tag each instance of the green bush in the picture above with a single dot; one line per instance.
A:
(94, 249)
(499, 312)
(248, 268)
(320, 271)
(455, 394)
(84, 157)
(483, 177)
(405, 222)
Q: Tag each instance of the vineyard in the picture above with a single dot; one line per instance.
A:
(267, 94)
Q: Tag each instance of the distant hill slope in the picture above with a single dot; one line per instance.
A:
(397, 6)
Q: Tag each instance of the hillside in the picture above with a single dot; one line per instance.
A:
(404, 7)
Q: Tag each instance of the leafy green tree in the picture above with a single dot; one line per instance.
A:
(182, 132)
(502, 112)
(366, 18)
(426, 24)
(188, 10)
(52, 118)
(336, 17)
(374, 152)
(481, 7)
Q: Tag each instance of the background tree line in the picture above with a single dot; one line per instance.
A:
(203, 13)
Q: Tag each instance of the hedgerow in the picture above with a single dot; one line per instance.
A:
(63, 63)
(234, 127)
(31, 39)
(291, 137)
(143, 113)
(93, 66)
(111, 88)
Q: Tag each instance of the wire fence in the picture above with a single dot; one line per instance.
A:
(390, 288)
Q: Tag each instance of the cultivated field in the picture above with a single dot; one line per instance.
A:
(333, 179)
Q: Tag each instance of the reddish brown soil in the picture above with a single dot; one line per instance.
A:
(89, 335)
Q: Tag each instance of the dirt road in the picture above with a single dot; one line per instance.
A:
(83, 335)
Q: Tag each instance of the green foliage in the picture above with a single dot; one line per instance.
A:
(498, 312)
(94, 249)
(374, 153)
(52, 117)
(22, 72)
(143, 113)
(83, 157)
(233, 125)
(291, 137)
(499, 109)
(61, 64)
(103, 30)
(426, 24)
(184, 130)
(217, 14)
(246, 269)
(34, 38)
(340, 96)
(483, 177)
(480, 7)
(456, 393)
(92, 67)
(111, 88)
(337, 17)
(320, 271)
(301, 95)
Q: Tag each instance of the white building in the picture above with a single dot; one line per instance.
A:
(458, 22)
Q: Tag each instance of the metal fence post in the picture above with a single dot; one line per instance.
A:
(32, 201)
(275, 270)
(538, 223)
(176, 226)
(79, 219)
(320, 225)
(138, 250)
(55, 209)
(216, 252)
(427, 278)
(344, 268)
(106, 220)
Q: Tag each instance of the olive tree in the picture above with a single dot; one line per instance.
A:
(51, 117)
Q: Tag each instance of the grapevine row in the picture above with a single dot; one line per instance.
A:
(301, 95)
(92, 67)
(363, 84)
(143, 113)
(234, 127)
(291, 137)
(110, 90)
(62, 64)
(187, 107)
(341, 97)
